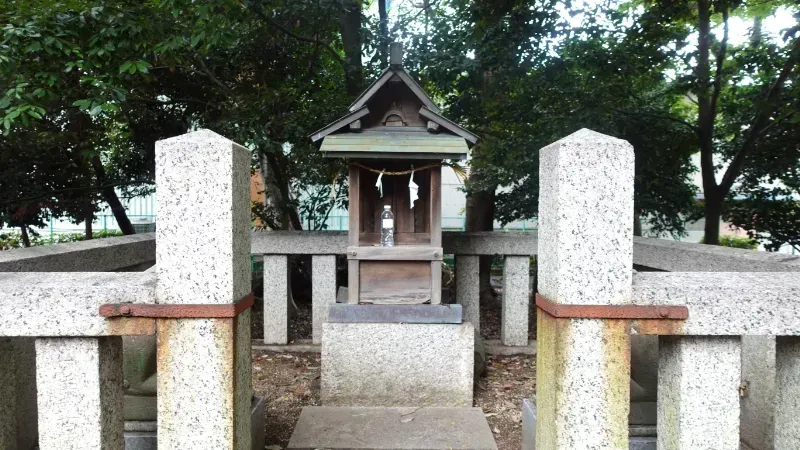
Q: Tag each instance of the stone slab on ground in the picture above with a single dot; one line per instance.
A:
(375, 428)
(341, 313)
(392, 364)
(141, 435)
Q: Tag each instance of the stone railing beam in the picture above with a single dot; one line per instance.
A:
(721, 304)
(96, 255)
(67, 304)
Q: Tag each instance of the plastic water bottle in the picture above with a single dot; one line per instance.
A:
(387, 227)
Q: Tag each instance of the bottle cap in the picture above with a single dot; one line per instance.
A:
(387, 206)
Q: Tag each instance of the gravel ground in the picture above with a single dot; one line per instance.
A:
(289, 381)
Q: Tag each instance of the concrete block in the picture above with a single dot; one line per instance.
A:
(79, 384)
(203, 216)
(323, 291)
(392, 428)
(142, 435)
(528, 424)
(94, 255)
(36, 304)
(340, 313)
(586, 220)
(276, 297)
(698, 392)
(787, 393)
(18, 415)
(583, 391)
(725, 304)
(388, 364)
(758, 405)
(204, 376)
(516, 299)
(639, 439)
(468, 289)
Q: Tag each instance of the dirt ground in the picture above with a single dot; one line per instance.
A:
(289, 381)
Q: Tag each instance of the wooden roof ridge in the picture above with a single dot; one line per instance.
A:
(447, 124)
(384, 77)
(339, 123)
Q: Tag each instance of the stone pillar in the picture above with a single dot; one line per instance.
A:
(323, 291)
(8, 397)
(787, 393)
(276, 299)
(468, 288)
(516, 298)
(79, 384)
(698, 392)
(585, 258)
(203, 256)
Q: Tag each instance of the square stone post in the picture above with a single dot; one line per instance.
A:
(468, 289)
(698, 392)
(79, 384)
(787, 392)
(203, 257)
(516, 298)
(585, 258)
(276, 299)
(323, 291)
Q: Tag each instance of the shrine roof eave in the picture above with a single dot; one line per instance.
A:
(405, 144)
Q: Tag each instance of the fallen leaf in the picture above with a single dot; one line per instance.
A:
(490, 414)
(495, 430)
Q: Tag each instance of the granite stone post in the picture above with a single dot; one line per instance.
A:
(203, 256)
(468, 288)
(79, 384)
(787, 392)
(323, 292)
(516, 296)
(584, 258)
(698, 392)
(276, 299)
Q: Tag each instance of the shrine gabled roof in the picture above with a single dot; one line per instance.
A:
(383, 79)
(395, 142)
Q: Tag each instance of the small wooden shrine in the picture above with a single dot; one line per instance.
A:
(396, 141)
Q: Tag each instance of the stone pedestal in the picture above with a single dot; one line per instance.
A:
(397, 364)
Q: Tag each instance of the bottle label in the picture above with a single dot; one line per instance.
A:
(387, 223)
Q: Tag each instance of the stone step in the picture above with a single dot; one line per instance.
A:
(385, 428)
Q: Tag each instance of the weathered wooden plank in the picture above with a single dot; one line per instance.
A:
(339, 123)
(353, 279)
(378, 153)
(399, 239)
(429, 114)
(371, 90)
(435, 195)
(395, 282)
(436, 282)
(354, 205)
(398, 253)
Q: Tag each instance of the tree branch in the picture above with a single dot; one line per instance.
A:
(659, 116)
(211, 77)
(759, 124)
(299, 37)
(723, 48)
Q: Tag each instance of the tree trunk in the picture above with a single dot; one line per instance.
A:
(480, 217)
(88, 219)
(383, 25)
(110, 196)
(350, 28)
(713, 215)
(26, 240)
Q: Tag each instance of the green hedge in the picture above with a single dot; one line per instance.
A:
(9, 240)
(736, 242)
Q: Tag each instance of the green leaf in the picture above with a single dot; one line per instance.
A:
(124, 68)
(33, 47)
(197, 37)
